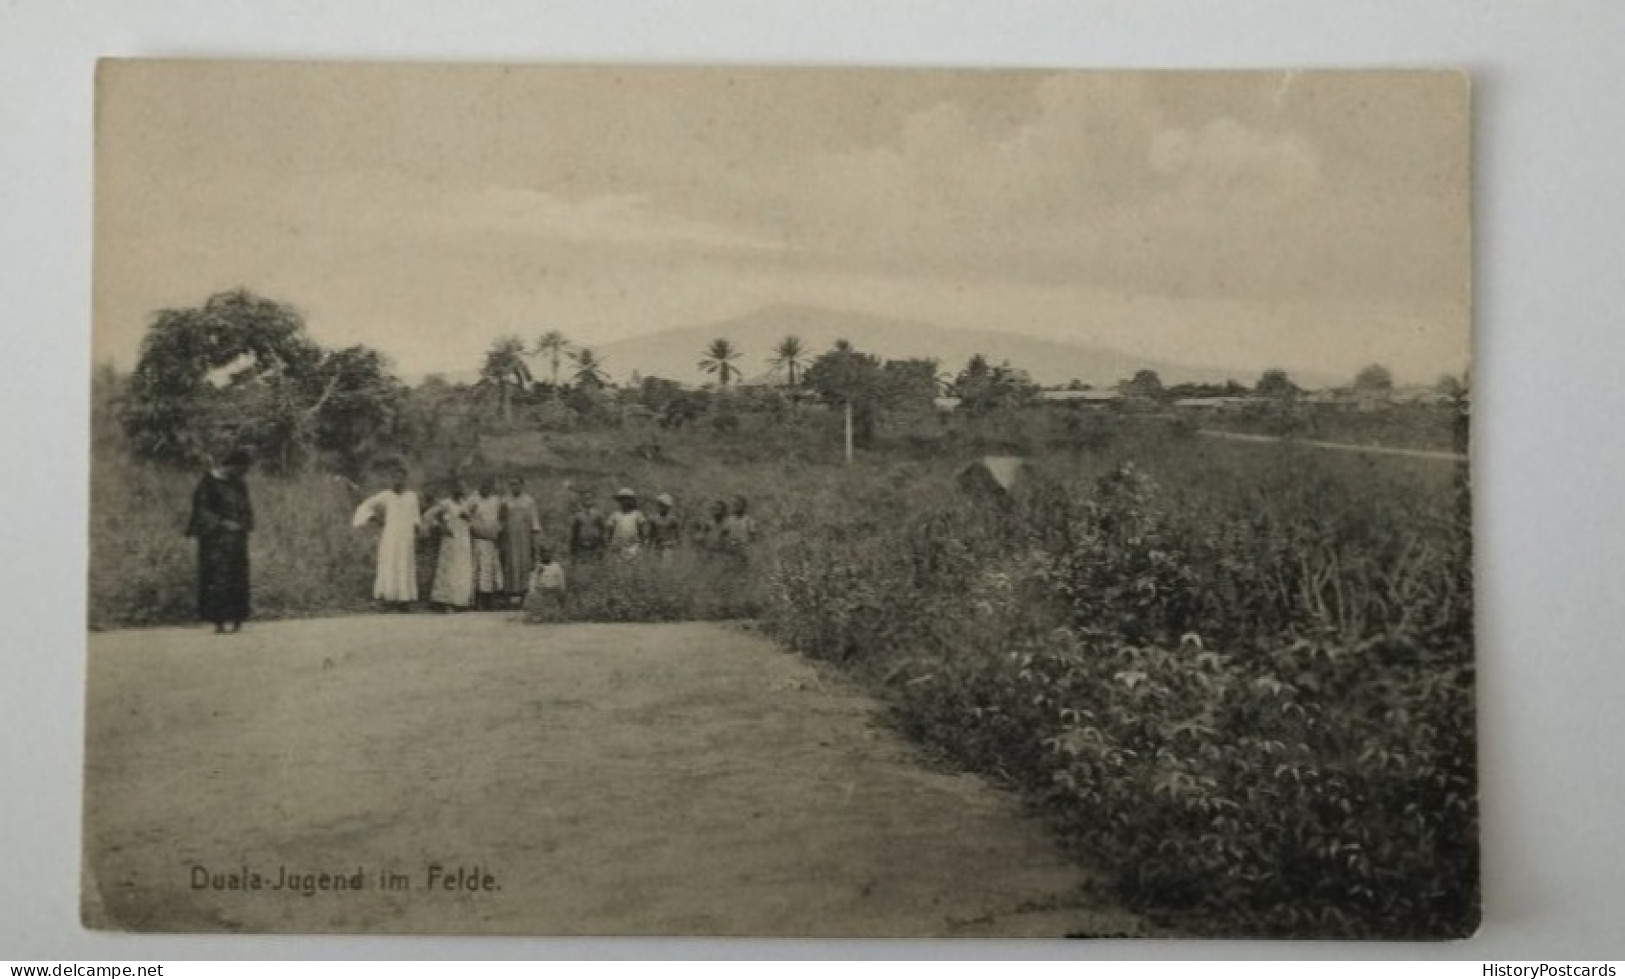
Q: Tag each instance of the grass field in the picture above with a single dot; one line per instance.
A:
(1237, 676)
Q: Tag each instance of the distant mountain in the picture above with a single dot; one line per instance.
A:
(675, 353)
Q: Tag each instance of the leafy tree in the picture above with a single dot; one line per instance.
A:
(240, 370)
(505, 369)
(1274, 383)
(358, 411)
(1144, 384)
(983, 387)
(1374, 377)
(788, 357)
(684, 408)
(843, 377)
(552, 345)
(655, 393)
(718, 360)
(909, 384)
(589, 372)
(435, 415)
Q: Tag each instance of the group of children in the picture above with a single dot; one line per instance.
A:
(490, 552)
(627, 531)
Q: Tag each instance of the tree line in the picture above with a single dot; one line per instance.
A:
(240, 369)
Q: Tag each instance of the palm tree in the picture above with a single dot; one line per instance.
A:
(589, 369)
(552, 344)
(787, 357)
(718, 360)
(505, 367)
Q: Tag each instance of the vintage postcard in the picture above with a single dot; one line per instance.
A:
(780, 502)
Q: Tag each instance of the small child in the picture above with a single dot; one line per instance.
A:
(544, 602)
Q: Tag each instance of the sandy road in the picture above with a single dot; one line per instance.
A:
(611, 780)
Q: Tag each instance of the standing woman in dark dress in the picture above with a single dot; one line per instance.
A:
(222, 519)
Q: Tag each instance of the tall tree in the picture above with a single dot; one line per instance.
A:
(1144, 384)
(240, 370)
(553, 346)
(981, 387)
(1449, 386)
(1374, 377)
(505, 369)
(360, 407)
(909, 384)
(787, 356)
(1274, 383)
(589, 370)
(718, 360)
(848, 379)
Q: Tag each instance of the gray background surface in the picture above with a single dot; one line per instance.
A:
(1550, 288)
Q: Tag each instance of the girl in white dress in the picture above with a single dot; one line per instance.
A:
(395, 511)
(454, 569)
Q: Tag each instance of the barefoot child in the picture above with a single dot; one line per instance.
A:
(544, 601)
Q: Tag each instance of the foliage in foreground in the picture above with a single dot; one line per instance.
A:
(688, 585)
(1254, 710)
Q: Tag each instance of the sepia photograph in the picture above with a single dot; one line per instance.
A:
(780, 502)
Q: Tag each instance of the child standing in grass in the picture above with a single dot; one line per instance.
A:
(544, 602)
(627, 528)
(738, 530)
(665, 529)
(711, 531)
(586, 530)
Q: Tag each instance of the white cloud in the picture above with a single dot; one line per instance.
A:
(1093, 184)
(1225, 158)
(392, 206)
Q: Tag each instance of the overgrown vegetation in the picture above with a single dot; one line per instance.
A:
(1238, 677)
(1244, 691)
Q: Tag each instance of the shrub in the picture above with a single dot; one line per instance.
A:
(1250, 705)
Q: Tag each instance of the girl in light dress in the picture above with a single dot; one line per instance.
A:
(454, 568)
(485, 526)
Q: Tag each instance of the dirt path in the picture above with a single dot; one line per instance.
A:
(612, 780)
(1339, 446)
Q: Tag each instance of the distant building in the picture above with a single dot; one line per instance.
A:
(1329, 397)
(1418, 395)
(1081, 399)
(1215, 404)
(1375, 399)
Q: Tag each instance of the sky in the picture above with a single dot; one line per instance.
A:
(1316, 221)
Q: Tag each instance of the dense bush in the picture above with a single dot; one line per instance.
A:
(1250, 705)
